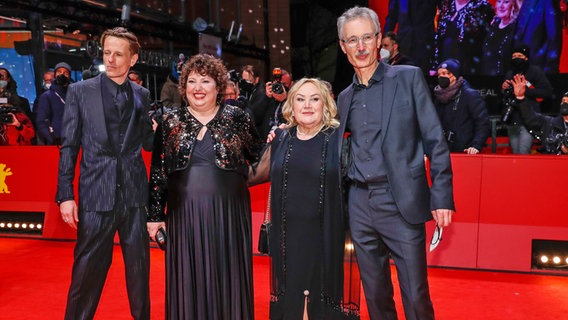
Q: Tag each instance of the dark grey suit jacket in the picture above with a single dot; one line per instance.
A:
(84, 127)
(410, 129)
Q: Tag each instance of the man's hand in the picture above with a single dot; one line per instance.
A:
(268, 90)
(519, 84)
(69, 213)
(443, 217)
(471, 150)
(280, 97)
(15, 122)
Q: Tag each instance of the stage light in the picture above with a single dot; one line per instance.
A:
(21, 222)
(550, 255)
(349, 247)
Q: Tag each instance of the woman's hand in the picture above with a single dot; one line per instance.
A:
(153, 228)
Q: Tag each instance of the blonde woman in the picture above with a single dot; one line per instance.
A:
(308, 237)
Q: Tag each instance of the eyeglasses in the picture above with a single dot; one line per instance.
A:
(367, 38)
(436, 237)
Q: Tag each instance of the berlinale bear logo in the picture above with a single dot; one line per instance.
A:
(3, 174)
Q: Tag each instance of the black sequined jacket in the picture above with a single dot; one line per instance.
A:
(236, 144)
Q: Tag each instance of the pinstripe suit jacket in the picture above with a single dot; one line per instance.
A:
(84, 128)
(410, 129)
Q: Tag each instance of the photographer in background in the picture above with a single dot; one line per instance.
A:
(252, 89)
(538, 89)
(16, 128)
(554, 130)
(462, 110)
(277, 93)
(9, 90)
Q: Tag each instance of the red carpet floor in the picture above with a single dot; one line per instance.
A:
(35, 275)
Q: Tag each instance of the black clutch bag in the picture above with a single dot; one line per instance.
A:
(161, 238)
(265, 227)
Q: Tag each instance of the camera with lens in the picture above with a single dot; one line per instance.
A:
(554, 143)
(277, 85)
(509, 101)
(5, 116)
(450, 136)
(245, 87)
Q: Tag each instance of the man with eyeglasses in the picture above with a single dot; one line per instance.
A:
(393, 126)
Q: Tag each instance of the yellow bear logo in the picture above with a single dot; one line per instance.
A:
(3, 174)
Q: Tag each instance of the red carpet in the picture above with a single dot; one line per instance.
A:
(35, 275)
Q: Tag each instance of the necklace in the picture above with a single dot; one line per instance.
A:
(308, 135)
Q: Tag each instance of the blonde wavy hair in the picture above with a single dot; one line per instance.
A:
(329, 106)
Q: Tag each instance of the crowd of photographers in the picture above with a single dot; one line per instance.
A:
(462, 111)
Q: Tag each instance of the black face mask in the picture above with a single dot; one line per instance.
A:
(62, 80)
(246, 86)
(444, 82)
(519, 65)
(564, 109)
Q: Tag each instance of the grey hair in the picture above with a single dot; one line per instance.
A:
(357, 13)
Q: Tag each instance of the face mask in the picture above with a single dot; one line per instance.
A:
(246, 86)
(62, 80)
(3, 83)
(46, 86)
(444, 82)
(519, 65)
(385, 54)
(564, 108)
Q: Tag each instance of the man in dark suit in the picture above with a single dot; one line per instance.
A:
(393, 124)
(107, 117)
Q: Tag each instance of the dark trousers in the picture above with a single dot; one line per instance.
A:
(379, 232)
(93, 256)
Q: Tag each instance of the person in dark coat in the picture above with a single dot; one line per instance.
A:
(553, 130)
(390, 43)
(538, 89)
(461, 109)
(51, 105)
(308, 238)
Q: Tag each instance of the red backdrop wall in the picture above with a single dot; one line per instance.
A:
(503, 202)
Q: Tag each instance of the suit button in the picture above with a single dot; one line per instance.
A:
(118, 185)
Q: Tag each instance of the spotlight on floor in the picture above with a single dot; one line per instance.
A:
(549, 255)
